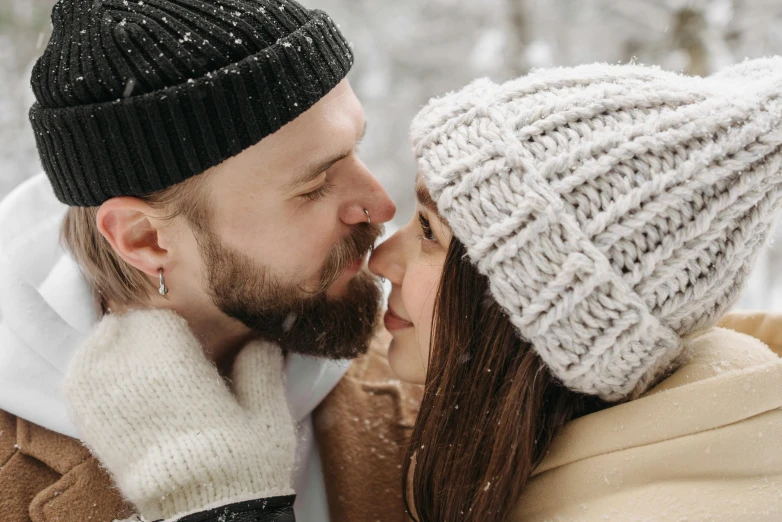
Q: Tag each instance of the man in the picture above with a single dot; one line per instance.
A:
(203, 159)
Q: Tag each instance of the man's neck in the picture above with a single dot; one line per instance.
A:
(221, 337)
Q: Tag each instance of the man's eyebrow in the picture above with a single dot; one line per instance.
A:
(423, 196)
(314, 171)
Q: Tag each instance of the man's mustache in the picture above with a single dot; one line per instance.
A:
(359, 242)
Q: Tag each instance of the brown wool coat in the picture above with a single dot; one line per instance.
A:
(362, 428)
(48, 477)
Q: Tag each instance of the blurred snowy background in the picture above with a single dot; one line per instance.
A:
(410, 50)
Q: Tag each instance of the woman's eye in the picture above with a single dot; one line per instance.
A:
(426, 228)
(319, 193)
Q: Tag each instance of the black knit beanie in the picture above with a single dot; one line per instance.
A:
(134, 96)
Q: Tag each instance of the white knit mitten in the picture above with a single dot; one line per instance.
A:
(156, 413)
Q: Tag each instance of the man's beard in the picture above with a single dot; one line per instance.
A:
(305, 322)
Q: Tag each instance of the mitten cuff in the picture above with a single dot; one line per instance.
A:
(272, 509)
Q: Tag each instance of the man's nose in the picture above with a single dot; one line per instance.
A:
(369, 202)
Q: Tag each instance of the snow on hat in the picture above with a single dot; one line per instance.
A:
(134, 97)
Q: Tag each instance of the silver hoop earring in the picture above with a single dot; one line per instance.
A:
(382, 279)
(163, 289)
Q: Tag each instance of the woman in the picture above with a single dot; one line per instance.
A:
(578, 235)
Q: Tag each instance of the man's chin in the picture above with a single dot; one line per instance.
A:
(339, 327)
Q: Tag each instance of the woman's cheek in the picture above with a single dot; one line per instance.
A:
(426, 290)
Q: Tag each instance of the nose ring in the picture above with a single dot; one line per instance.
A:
(369, 222)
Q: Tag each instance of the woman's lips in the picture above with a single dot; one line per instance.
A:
(394, 322)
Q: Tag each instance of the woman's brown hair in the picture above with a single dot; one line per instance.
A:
(490, 408)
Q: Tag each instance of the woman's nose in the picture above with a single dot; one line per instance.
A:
(387, 260)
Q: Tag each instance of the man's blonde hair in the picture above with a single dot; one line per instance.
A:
(109, 276)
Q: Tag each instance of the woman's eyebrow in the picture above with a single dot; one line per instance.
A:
(423, 196)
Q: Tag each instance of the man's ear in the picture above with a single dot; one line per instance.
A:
(128, 225)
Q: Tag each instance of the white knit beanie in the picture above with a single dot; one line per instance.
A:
(613, 208)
